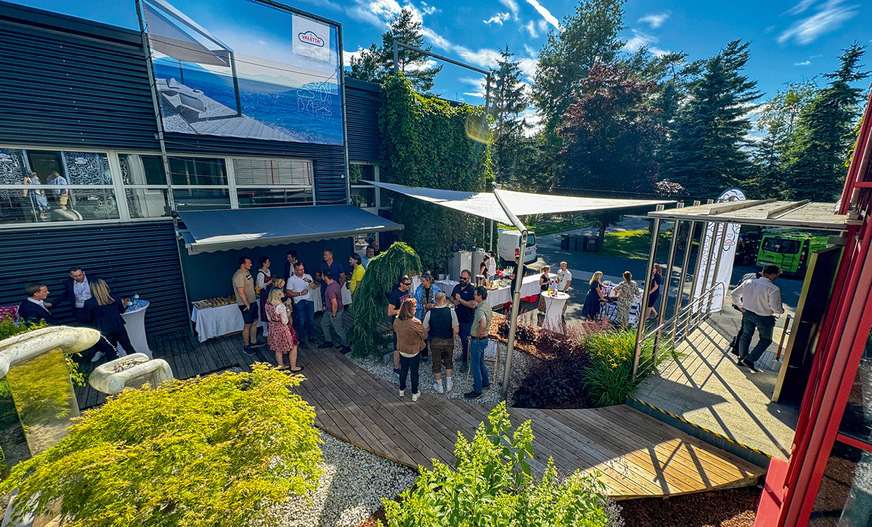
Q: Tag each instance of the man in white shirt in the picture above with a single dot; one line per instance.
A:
(760, 302)
(299, 287)
(564, 280)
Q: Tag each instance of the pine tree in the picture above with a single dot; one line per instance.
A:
(377, 63)
(816, 168)
(707, 149)
(508, 100)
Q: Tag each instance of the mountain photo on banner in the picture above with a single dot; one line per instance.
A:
(279, 86)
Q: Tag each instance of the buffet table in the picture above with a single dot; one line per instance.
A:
(501, 295)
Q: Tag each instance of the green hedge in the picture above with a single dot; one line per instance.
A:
(426, 142)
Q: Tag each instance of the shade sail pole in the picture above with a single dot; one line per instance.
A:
(516, 294)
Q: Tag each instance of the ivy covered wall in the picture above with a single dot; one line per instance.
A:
(426, 143)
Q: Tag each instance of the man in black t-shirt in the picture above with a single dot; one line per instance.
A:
(463, 296)
(399, 293)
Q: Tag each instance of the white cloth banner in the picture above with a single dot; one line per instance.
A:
(311, 38)
(724, 241)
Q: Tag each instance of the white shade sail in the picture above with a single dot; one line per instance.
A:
(485, 205)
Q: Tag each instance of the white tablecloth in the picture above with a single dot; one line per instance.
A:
(554, 310)
(610, 310)
(134, 323)
(216, 321)
(501, 295)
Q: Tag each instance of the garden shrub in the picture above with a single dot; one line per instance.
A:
(556, 382)
(492, 485)
(202, 452)
(609, 379)
(370, 306)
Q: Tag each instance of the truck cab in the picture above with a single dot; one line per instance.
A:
(509, 246)
(789, 251)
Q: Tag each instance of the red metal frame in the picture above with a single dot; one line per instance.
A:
(791, 491)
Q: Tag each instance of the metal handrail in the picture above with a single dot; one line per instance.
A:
(694, 313)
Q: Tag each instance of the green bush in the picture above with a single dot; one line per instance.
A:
(370, 306)
(202, 452)
(609, 380)
(491, 484)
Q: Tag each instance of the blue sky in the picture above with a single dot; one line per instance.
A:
(790, 40)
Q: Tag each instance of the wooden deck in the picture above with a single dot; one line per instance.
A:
(637, 455)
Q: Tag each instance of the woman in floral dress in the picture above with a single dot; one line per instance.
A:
(626, 291)
(282, 338)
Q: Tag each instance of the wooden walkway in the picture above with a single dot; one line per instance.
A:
(637, 455)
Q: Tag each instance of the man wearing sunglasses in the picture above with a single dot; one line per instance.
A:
(399, 293)
(464, 302)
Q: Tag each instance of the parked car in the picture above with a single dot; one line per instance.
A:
(509, 243)
(789, 251)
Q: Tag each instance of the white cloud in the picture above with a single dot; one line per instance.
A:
(534, 122)
(551, 19)
(800, 7)
(429, 63)
(380, 12)
(531, 50)
(436, 39)
(655, 20)
(640, 40)
(528, 68)
(803, 63)
(428, 9)
(543, 26)
(512, 6)
(483, 57)
(498, 19)
(531, 28)
(830, 17)
(348, 55)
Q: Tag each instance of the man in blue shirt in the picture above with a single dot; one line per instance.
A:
(464, 302)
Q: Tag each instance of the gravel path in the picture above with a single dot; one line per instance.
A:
(352, 484)
(491, 397)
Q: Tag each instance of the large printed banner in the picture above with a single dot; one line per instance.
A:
(238, 68)
(724, 240)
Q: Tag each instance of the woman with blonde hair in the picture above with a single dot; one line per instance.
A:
(282, 338)
(411, 339)
(103, 312)
(626, 291)
(594, 297)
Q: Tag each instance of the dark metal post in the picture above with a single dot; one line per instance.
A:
(396, 58)
(236, 83)
(640, 326)
(516, 294)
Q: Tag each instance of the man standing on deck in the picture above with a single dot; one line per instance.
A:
(760, 302)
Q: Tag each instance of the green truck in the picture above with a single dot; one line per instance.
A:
(789, 250)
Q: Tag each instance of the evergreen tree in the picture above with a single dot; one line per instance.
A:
(779, 118)
(588, 37)
(707, 149)
(816, 168)
(377, 63)
(508, 100)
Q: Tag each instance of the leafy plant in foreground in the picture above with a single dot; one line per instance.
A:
(202, 452)
(492, 484)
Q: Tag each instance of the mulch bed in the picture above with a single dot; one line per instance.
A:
(722, 508)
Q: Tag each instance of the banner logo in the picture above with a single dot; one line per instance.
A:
(310, 37)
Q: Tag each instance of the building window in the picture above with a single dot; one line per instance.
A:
(145, 186)
(273, 182)
(364, 195)
(197, 171)
(55, 186)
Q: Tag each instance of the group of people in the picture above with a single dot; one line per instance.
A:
(287, 304)
(39, 200)
(426, 317)
(92, 304)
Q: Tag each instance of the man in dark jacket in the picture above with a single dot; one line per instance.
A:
(34, 308)
(77, 289)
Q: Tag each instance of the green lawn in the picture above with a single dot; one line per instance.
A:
(633, 244)
(553, 224)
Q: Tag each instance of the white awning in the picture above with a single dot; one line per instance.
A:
(485, 205)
